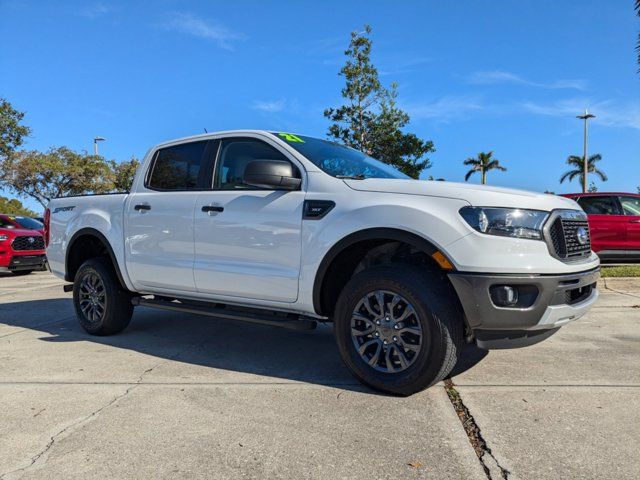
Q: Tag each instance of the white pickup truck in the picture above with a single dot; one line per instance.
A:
(287, 230)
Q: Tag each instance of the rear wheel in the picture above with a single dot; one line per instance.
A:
(19, 273)
(102, 306)
(398, 329)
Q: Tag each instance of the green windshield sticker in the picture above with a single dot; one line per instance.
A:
(290, 137)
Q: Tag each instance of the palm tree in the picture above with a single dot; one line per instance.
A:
(483, 163)
(577, 171)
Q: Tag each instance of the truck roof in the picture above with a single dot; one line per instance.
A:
(205, 136)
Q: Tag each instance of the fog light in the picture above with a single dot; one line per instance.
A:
(504, 295)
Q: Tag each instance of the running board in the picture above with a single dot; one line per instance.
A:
(261, 319)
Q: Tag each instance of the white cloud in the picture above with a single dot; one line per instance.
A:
(445, 109)
(399, 66)
(94, 10)
(498, 76)
(608, 112)
(271, 106)
(210, 30)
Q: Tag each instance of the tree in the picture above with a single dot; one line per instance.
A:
(14, 207)
(576, 162)
(637, 7)
(57, 172)
(593, 188)
(11, 132)
(482, 163)
(124, 173)
(371, 121)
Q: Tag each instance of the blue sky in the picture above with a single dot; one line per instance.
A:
(474, 75)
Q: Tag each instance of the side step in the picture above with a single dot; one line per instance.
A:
(250, 317)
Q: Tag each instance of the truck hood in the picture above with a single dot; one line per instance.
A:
(476, 195)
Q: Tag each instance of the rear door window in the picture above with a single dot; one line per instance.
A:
(630, 205)
(178, 168)
(599, 205)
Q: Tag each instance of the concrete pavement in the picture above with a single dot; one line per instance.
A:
(181, 396)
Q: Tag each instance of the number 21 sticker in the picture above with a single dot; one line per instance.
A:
(290, 137)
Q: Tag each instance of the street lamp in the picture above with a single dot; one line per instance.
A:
(585, 161)
(95, 144)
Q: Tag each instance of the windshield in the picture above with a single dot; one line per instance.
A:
(28, 223)
(338, 160)
(6, 223)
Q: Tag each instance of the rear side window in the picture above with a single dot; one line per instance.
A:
(598, 205)
(177, 167)
(630, 205)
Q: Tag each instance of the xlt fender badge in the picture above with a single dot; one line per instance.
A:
(316, 209)
(64, 209)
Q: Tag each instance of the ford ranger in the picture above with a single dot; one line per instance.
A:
(287, 230)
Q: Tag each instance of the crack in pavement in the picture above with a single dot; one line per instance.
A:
(57, 435)
(42, 454)
(607, 287)
(487, 460)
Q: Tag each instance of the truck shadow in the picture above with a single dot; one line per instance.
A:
(310, 357)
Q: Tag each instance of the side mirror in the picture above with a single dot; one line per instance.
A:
(274, 174)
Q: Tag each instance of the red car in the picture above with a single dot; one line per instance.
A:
(21, 248)
(614, 221)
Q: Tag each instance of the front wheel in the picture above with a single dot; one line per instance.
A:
(102, 306)
(398, 329)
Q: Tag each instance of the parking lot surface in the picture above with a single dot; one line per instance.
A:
(182, 396)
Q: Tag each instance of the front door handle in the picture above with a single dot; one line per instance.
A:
(212, 208)
(142, 206)
(634, 221)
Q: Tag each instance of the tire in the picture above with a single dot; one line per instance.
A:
(97, 276)
(20, 273)
(426, 358)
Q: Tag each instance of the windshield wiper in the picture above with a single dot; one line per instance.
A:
(359, 176)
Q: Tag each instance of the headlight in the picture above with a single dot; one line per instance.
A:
(506, 222)
(4, 237)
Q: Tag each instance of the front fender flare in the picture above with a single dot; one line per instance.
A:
(391, 234)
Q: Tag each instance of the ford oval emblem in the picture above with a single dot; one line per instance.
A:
(32, 240)
(582, 235)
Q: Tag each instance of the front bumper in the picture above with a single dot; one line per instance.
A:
(551, 301)
(25, 262)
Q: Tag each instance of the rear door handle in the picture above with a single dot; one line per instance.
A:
(142, 206)
(634, 221)
(212, 208)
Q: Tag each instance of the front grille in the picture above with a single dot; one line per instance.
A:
(28, 242)
(563, 235)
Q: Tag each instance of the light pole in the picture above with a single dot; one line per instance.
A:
(585, 161)
(95, 144)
